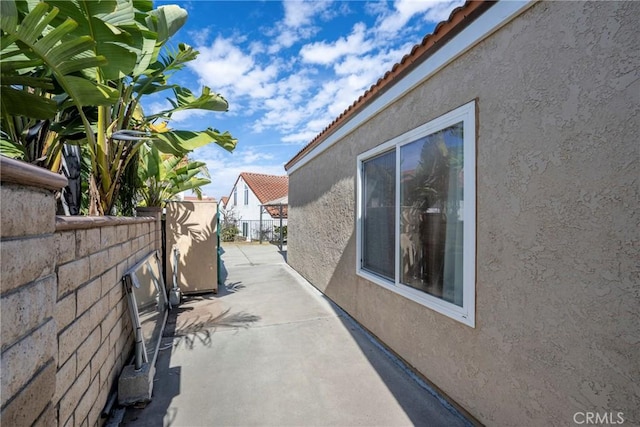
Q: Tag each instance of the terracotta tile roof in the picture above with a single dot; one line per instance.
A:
(267, 188)
(273, 207)
(274, 211)
(224, 200)
(459, 18)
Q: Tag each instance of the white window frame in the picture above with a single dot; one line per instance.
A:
(465, 314)
(246, 195)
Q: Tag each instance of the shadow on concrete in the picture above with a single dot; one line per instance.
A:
(281, 250)
(192, 323)
(199, 317)
(223, 272)
(440, 411)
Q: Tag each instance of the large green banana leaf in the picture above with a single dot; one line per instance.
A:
(166, 21)
(150, 163)
(154, 79)
(127, 44)
(25, 48)
(191, 184)
(185, 173)
(23, 103)
(179, 142)
(11, 149)
(186, 100)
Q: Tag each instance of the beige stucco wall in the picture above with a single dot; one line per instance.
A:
(557, 293)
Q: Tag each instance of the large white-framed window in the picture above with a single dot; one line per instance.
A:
(246, 194)
(416, 214)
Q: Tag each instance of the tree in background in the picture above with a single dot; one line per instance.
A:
(229, 227)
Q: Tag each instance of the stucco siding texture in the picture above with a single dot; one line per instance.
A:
(557, 287)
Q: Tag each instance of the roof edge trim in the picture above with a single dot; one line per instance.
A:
(437, 57)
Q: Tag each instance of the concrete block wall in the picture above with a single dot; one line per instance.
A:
(66, 332)
(27, 305)
(94, 333)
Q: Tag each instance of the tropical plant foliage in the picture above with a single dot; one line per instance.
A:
(163, 176)
(60, 85)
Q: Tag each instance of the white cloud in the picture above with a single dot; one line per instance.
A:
(178, 117)
(295, 97)
(183, 116)
(226, 68)
(373, 65)
(301, 13)
(326, 53)
(300, 137)
(285, 39)
(376, 8)
(442, 10)
(200, 37)
(404, 10)
(298, 23)
(251, 155)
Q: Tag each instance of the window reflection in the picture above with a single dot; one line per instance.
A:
(378, 237)
(431, 214)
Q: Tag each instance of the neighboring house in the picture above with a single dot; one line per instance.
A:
(248, 197)
(477, 211)
(223, 202)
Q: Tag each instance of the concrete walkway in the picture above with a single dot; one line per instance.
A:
(270, 350)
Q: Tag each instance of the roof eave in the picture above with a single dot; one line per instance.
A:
(459, 19)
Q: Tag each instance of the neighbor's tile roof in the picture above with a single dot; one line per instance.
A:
(274, 211)
(459, 18)
(266, 187)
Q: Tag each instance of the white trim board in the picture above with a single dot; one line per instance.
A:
(465, 313)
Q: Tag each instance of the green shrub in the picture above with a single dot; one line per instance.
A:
(229, 233)
(277, 232)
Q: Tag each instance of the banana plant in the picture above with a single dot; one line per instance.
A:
(131, 124)
(164, 176)
(36, 56)
(41, 74)
(125, 30)
(50, 61)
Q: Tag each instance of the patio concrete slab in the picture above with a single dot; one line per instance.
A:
(270, 350)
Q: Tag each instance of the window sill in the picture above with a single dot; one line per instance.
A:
(447, 309)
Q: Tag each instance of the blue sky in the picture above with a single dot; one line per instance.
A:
(288, 69)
